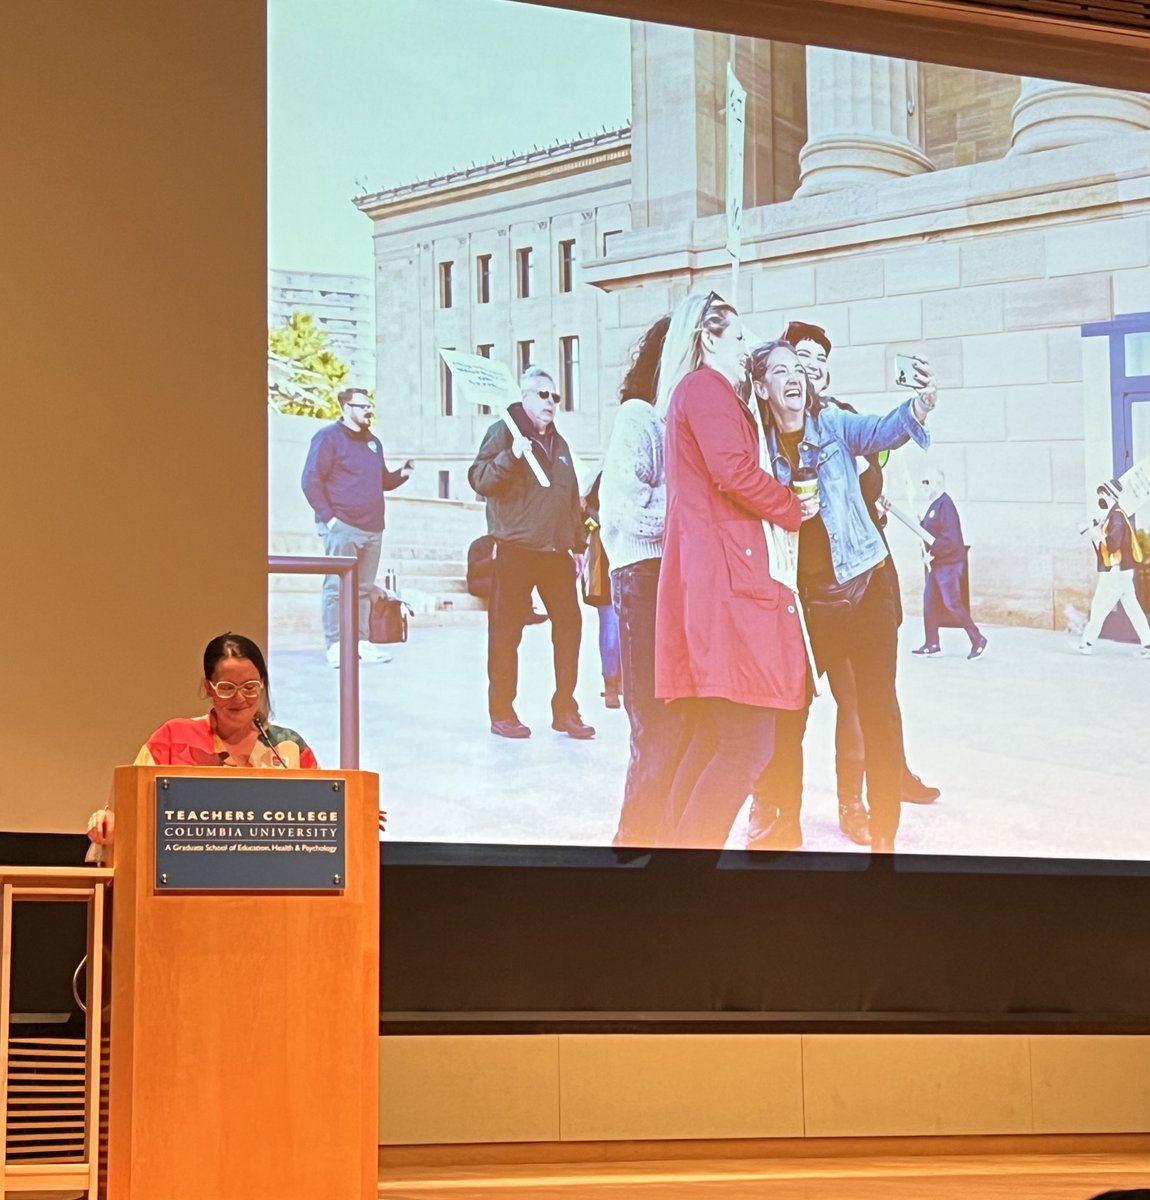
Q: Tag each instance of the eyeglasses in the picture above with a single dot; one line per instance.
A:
(352, 404)
(711, 298)
(548, 396)
(225, 690)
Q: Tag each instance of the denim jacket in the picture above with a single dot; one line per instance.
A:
(832, 437)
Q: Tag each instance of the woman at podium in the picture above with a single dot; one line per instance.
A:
(234, 732)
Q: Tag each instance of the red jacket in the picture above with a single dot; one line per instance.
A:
(723, 626)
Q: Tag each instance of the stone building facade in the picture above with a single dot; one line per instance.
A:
(998, 225)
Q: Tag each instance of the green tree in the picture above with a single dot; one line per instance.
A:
(304, 374)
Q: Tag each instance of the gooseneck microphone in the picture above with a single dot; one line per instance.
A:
(258, 722)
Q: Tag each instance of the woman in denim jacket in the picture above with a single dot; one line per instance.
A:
(845, 581)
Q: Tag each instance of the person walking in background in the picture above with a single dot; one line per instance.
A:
(729, 645)
(344, 479)
(597, 594)
(539, 543)
(946, 598)
(1117, 550)
(633, 512)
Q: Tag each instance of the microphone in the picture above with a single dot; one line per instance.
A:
(258, 722)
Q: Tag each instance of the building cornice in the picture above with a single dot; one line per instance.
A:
(547, 166)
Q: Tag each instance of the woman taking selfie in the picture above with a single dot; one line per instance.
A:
(845, 581)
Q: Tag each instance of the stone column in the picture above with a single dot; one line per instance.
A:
(864, 121)
(1049, 115)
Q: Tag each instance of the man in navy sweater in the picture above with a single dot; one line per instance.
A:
(344, 480)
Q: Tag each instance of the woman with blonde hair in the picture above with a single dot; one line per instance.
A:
(729, 644)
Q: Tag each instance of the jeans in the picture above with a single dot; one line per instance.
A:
(730, 745)
(944, 595)
(517, 571)
(364, 545)
(608, 640)
(657, 728)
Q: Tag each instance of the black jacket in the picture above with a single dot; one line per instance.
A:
(519, 510)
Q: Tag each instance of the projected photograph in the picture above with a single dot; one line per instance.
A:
(741, 443)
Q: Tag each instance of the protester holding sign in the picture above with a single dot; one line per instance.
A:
(1117, 550)
(539, 543)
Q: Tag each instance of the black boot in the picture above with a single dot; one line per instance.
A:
(853, 818)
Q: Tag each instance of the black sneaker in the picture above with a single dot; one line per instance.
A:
(510, 727)
(978, 649)
(927, 651)
(572, 725)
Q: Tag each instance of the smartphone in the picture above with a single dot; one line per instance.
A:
(904, 373)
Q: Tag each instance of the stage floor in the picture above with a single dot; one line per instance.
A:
(911, 1177)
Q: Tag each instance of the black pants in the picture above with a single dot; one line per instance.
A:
(516, 572)
(867, 639)
(729, 746)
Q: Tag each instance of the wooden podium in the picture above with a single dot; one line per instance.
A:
(244, 1024)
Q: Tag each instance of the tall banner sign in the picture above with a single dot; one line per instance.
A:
(736, 139)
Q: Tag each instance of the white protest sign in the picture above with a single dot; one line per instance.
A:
(489, 382)
(1135, 491)
(736, 139)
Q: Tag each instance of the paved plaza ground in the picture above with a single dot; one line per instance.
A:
(1038, 750)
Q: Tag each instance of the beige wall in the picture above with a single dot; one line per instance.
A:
(133, 399)
(606, 1087)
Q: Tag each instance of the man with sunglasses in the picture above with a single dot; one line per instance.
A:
(344, 480)
(539, 543)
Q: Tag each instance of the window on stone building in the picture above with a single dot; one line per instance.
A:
(446, 389)
(569, 369)
(445, 485)
(445, 269)
(607, 240)
(524, 353)
(567, 265)
(483, 279)
(524, 272)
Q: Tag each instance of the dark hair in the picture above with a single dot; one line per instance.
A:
(803, 331)
(642, 378)
(344, 397)
(235, 645)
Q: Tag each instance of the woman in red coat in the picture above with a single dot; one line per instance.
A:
(729, 645)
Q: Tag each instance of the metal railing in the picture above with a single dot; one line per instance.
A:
(347, 568)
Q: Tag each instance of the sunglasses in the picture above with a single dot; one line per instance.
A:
(712, 299)
(548, 396)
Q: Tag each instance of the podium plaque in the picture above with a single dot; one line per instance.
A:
(272, 834)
